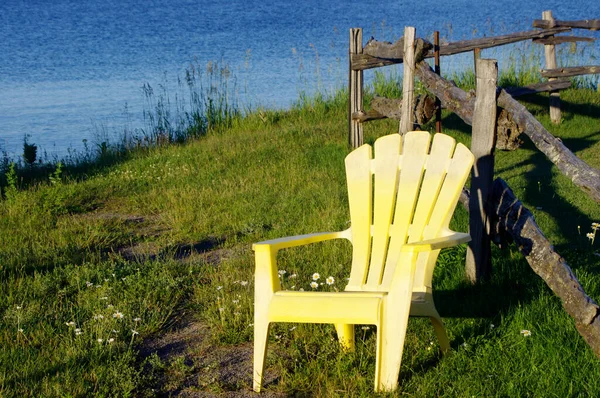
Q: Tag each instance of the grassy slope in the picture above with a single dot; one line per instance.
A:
(114, 242)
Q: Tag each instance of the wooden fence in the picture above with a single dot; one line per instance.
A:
(376, 54)
(495, 213)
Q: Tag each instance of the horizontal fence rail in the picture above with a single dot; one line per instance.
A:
(376, 54)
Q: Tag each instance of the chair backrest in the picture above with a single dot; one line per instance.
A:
(406, 193)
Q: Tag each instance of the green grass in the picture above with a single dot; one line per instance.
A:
(134, 236)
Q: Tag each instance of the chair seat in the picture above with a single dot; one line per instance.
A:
(358, 308)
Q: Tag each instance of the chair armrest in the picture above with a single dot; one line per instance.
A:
(455, 238)
(266, 277)
(299, 240)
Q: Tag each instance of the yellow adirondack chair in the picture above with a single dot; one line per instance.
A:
(401, 203)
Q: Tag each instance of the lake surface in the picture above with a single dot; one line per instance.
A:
(73, 70)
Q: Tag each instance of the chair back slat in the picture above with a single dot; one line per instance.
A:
(360, 196)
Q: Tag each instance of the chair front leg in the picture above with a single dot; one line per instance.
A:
(266, 283)
(393, 333)
(396, 311)
(261, 333)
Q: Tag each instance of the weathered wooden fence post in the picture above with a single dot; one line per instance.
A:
(438, 103)
(476, 58)
(550, 53)
(408, 82)
(355, 90)
(478, 262)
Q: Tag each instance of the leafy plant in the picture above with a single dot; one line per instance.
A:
(29, 152)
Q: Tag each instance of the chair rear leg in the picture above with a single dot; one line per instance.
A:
(345, 334)
(261, 332)
(441, 334)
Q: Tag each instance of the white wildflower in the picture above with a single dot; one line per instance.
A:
(526, 333)
(314, 285)
(316, 276)
(118, 315)
(330, 280)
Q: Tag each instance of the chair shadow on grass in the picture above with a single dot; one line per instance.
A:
(513, 284)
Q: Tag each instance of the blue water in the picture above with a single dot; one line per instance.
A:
(73, 70)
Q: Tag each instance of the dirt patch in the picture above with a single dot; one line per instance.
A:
(182, 360)
(193, 367)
